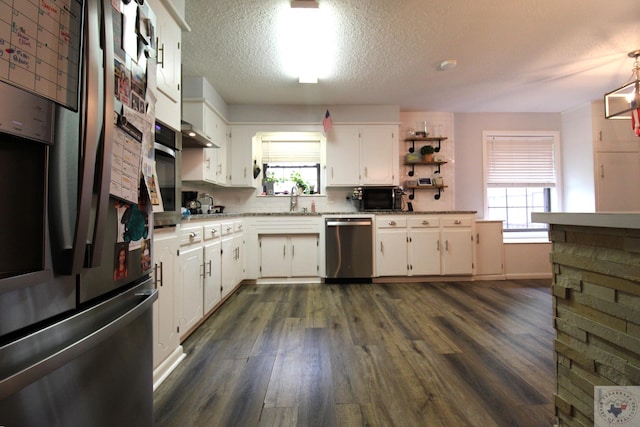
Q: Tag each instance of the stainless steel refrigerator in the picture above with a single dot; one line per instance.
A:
(76, 288)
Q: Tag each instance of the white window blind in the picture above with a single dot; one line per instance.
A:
(520, 161)
(290, 151)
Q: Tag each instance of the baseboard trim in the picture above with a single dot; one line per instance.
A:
(517, 276)
(167, 366)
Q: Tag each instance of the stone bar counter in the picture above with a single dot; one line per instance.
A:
(596, 306)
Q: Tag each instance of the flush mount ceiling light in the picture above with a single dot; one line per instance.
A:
(296, 4)
(619, 103)
(306, 40)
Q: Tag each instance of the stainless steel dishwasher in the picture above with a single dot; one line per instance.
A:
(349, 249)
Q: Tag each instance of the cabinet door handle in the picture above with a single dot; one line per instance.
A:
(438, 245)
(284, 251)
(602, 170)
(477, 238)
(293, 251)
(446, 245)
(209, 268)
(155, 274)
(159, 61)
(381, 248)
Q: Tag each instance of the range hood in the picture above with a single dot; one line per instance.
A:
(193, 138)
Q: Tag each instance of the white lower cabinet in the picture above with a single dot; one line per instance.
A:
(391, 246)
(489, 248)
(212, 266)
(456, 246)
(212, 276)
(165, 317)
(191, 276)
(422, 245)
(294, 255)
(228, 259)
(238, 247)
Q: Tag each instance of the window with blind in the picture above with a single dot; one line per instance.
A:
(521, 176)
(288, 158)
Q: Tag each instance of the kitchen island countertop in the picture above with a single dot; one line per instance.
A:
(589, 219)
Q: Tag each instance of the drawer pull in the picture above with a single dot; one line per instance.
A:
(392, 223)
(425, 222)
(457, 222)
(192, 235)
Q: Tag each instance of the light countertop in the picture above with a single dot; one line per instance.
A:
(300, 213)
(586, 219)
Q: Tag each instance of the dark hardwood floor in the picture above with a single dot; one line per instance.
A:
(402, 354)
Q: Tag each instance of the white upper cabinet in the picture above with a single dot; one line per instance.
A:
(205, 120)
(343, 156)
(241, 153)
(617, 175)
(168, 62)
(362, 155)
(379, 148)
(201, 164)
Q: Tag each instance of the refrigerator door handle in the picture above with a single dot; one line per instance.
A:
(18, 380)
(90, 133)
(103, 173)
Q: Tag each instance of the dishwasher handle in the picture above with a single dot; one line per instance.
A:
(351, 222)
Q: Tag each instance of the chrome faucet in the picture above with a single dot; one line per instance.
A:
(293, 199)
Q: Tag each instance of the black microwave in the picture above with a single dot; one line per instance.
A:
(385, 198)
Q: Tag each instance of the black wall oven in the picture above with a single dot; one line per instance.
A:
(168, 160)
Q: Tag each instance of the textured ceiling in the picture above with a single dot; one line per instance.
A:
(513, 56)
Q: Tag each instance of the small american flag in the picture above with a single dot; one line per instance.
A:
(635, 121)
(327, 122)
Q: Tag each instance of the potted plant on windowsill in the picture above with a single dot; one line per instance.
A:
(268, 184)
(427, 151)
(303, 186)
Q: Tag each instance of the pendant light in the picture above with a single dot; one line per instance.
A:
(620, 103)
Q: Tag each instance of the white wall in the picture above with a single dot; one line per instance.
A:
(344, 114)
(468, 129)
(527, 260)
